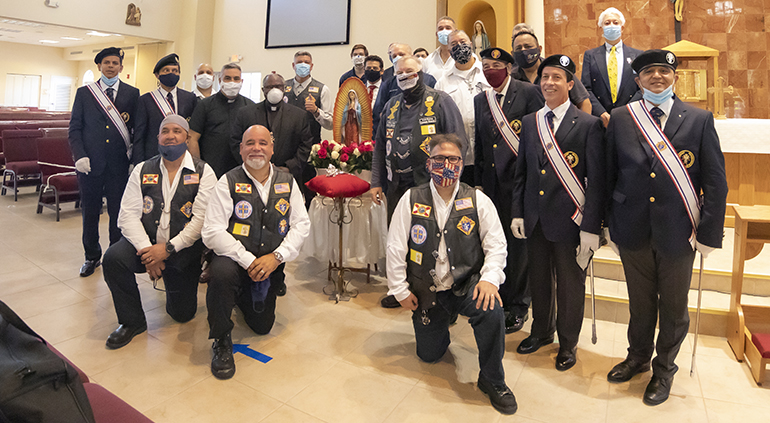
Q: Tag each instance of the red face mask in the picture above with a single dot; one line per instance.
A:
(496, 77)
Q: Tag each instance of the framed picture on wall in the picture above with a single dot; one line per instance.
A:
(297, 23)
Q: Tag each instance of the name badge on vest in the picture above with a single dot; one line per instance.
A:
(427, 120)
(191, 179)
(466, 225)
(281, 188)
(463, 203)
(415, 256)
(241, 229)
(150, 179)
(421, 210)
(187, 209)
(243, 188)
(243, 209)
(428, 129)
(312, 89)
(282, 206)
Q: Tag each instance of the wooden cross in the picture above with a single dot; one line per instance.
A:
(719, 90)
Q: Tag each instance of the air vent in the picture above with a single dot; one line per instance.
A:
(76, 52)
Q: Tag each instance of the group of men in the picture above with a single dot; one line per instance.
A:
(499, 176)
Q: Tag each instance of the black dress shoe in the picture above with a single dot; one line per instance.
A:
(626, 369)
(89, 267)
(514, 323)
(223, 363)
(390, 302)
(500, 396)
(280, 288)
(121, 336)
(657, 390)
(531, 344)
(565, 359)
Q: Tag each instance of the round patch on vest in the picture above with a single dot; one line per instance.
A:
(687, 158)
(243, 209)
(572, 158)
(125, 116)
(388, 148)
(283, 227)
(419, 234)
(147, 204)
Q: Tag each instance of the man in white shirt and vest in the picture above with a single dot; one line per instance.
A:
(256, 221)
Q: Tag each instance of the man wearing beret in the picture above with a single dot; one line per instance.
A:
(161, 216)
(155, 105)
(100, 136)
(498, 114)
(667, 194)
(558, 206)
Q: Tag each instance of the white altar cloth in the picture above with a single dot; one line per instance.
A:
(744, 135)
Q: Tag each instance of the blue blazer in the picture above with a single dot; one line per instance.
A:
(581, 134)
(597, 81)
(148, 119)
(634, 176)
(92, 133)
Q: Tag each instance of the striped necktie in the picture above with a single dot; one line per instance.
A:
(612, 71)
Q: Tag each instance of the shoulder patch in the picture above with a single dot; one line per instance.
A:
(191, 179)
(463, 203)
(282, 188)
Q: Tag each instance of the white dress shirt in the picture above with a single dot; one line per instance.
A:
(559, 113)
(220, 209)
(665, 107)
(504, 91)
(325, 116)
(164, 94)
(376, 90)
(462, 86)
(130, 216)
(435, 66)
(490, 230)
(105, 86)
(199, 94)
(618, 56)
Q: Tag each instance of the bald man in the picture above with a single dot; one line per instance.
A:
(204, 81)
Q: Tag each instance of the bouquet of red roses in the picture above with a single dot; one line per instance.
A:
(352, 158)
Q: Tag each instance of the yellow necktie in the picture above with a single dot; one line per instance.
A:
(612, 71)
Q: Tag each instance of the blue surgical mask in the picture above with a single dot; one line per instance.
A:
(659, 98)
(172, 152)
(612, 32)
(109, 81)
(169, 79)
(394, 60)
(443, 36)
(302, 69)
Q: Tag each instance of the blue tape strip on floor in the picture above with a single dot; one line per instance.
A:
(245, 350)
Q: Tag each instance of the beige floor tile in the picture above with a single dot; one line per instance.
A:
(20, 279)
(346, 393)
(329, 333)
(728, 412)
(214, 400)
(725, 379)
(287, 414)
(92, 287)
(11, 262)
(626, 405)
(71, 321)
(42, 299)
(423, 405)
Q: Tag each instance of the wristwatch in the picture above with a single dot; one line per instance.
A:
(170, 249)
(278, 256)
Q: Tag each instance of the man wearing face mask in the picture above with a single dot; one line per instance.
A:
(204, 81)
(155, 105)
(526, 53)
(211, 121)
(607, 72)
(666, 179)
(463, 82)
(497, 125)
(357, 55)
(373, 76)
(441, 61)
(100, 135)
(161, 216)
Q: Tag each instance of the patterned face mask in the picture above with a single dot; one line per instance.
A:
(444, 174)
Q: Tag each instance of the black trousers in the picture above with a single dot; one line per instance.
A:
(180, 278)
(109, 184)
(658, 284)
(556, 282)
(515, 290)
(488, 328)
(230, 285)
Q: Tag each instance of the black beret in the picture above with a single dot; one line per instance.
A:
(654, 58)
(171, 59)
(560, 61)
(495, 53)
(109, 51)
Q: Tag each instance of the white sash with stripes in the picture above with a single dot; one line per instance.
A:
(162, 102)
(112, 113)
(510, 137)
(563, 170)
(669, 158)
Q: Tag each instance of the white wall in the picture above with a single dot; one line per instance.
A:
(35, 60)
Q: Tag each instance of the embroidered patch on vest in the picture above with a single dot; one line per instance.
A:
(281, 188)
(424, 145)
(516, 126)
(241, 229)
(572, 158)
(287, 89)
(282, 206)
(428, 129)
(415, 256)
(283, 227)
(187, 209)
(389, 133)
(687, 158)
(125, 117)
(243, 188)
(150, 179)
(419, 234)
(191, 179)
(466, 225)
(421, 210)
(312, 89)
(463, 203)
(147, 204)
(388, 148)
(243, 209)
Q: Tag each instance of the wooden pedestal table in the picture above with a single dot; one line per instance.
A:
(752, 231)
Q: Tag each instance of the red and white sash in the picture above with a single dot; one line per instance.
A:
(162, 102)
(509, 135)
(112, 112)
(669, 158)
(563, 170)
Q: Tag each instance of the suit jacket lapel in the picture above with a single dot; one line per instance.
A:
(628, 74)
(601, 61)
(510, 95)
(675, 118)
(566, 125)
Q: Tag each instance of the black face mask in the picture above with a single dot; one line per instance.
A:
(372, 75)
(461, 53)
(526, 58)
(414, 95)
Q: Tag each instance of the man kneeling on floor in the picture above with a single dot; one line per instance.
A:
(161, 215)
(256, 221)
(446, 253)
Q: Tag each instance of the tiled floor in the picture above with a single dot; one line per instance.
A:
(347, 362)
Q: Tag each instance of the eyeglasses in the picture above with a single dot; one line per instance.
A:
(442, 159)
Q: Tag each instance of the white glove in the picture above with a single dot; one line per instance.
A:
(588, 244)
(704, 250)
(517, 227)
(611, 244)
(83, 165)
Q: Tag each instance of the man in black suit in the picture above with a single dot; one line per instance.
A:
(607, 72)
(658, 227)
(155, 105)
(100, 135)
(496, 146)
(558, 194)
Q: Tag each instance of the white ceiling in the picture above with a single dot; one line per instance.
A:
(26, 32)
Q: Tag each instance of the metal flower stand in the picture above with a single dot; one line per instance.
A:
(340, 215)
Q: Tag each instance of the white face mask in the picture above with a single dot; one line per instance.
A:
(231, 89)
(204, 81)
(406, 82)
(274, 96)
(358, 60)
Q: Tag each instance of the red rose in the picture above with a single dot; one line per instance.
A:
(322, 153)
(325, 144)
(344, 157)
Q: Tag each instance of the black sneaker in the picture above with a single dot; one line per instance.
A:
(500, 396)
(390, 302)
(223, 363)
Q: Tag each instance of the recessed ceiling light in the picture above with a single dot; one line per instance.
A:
(71, 38)
(49, 41)
(98, 34)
